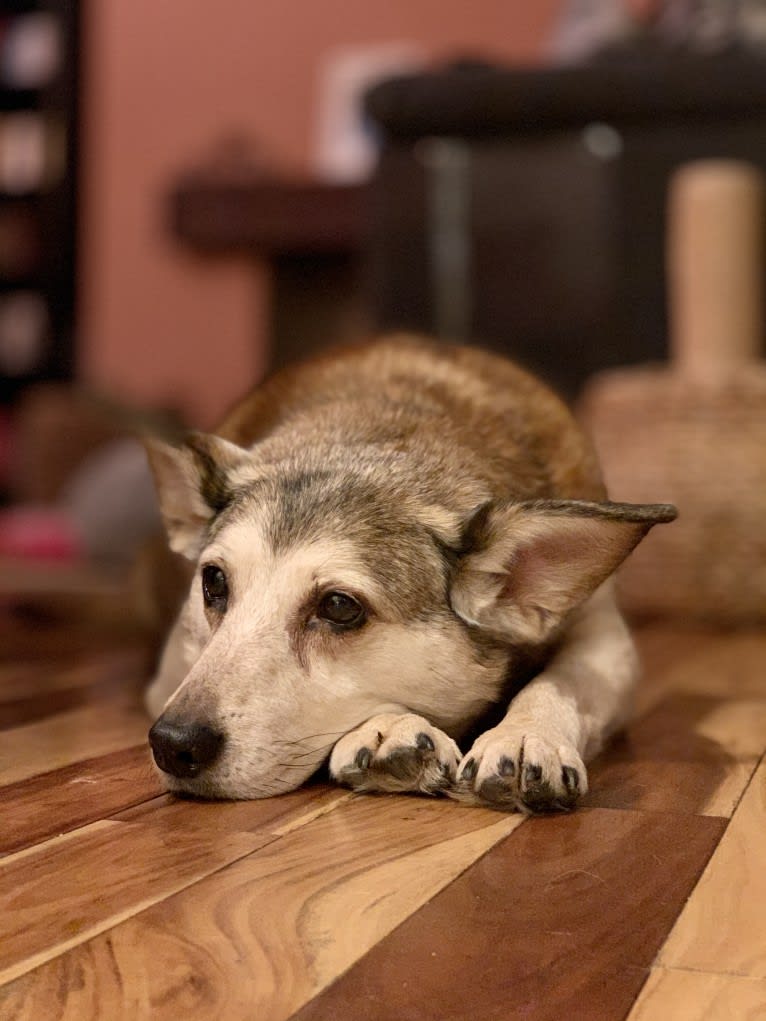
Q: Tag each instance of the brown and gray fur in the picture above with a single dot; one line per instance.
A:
(452, 498)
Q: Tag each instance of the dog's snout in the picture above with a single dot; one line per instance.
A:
(184, 749)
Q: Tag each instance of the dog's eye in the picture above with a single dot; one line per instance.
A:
(342, 610)
(215, 588)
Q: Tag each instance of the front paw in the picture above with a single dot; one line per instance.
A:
(517, 769)
(395, 753)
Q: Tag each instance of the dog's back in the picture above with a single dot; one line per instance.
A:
(459, 412)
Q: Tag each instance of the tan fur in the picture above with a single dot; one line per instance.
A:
(518, 434)
(453, 497)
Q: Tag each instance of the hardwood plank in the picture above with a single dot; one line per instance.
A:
(21, 679)
(723, 927)
(691, 753)
(561, 921)
(662, 650)
(61, 893)
(67, 798)
(65, 629)
(325, 881)
(71, 737)
(49, 691)
(701, 663)
(700, 996)
(277, 815)
(38, 707)
(262, 936)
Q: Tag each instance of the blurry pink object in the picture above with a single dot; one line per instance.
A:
(38, 533)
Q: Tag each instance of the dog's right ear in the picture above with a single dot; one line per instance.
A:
(192, 481)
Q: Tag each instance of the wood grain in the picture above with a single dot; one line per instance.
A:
(71, 737)
(713, 663)
(699, 996)
(63, 892)
(691, 753)
(274, 815)
(342, 906)
(723, 927)
(550, 924)
(22, 679)
(261, 937)
(67, 798)
(38, 707)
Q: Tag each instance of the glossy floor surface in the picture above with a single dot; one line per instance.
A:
(116, 901)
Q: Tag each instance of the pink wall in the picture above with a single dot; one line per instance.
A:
(164, 81)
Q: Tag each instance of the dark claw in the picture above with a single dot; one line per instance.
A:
(571, 779)
(532, 774)
(363, 758)
(424, 743)
(470, 770)
(506, 766)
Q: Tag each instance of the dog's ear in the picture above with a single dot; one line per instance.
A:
(526, 565)
(192, 480)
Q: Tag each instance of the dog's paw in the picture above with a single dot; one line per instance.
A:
(521, 770)
(395, 753)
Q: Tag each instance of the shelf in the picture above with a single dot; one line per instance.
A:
(270, 217)
(41, 157)
(310, 234)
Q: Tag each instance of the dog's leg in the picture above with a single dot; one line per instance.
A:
(393, 752)
(533, 760)
(173, 667)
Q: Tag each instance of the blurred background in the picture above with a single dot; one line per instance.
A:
(192, 195)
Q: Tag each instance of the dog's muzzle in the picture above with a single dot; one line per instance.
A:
(184, 750)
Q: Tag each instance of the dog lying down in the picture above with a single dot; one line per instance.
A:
(403, 556)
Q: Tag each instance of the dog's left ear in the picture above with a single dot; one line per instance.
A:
(528, 564)
(192, 480)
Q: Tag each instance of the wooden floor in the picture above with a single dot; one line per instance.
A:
(648, 903)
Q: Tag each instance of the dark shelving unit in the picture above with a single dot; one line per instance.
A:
(39, 59)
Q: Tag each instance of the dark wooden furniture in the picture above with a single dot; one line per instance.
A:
(526, 209)
(309, 234)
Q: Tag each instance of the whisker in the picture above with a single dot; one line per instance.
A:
(311, 737)
(321, 750)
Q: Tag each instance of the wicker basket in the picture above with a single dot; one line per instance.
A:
(695, 434)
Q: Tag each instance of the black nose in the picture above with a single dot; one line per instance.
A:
(184, 749)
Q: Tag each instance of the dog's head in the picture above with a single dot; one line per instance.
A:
(329, 590)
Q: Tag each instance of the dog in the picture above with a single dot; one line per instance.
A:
(403, 557)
